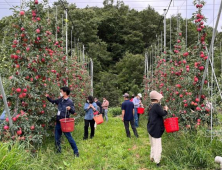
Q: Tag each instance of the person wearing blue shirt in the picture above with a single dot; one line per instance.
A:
(90, 107)
(65, 104)
(2, 117)
(128, 115)
(137, 103)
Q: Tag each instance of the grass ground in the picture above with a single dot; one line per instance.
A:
(110, 149)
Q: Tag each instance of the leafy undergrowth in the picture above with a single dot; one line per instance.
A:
(110, 149)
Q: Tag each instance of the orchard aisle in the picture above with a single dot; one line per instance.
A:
(109, 149)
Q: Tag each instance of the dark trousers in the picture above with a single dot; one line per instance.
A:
(103, 112)
(126, 124)
(87, 123)
(58, 134)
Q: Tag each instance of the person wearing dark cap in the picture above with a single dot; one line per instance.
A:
(128, 115)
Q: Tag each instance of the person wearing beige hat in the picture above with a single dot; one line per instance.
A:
(155, 125)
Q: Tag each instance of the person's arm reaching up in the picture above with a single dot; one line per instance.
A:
(53, 101)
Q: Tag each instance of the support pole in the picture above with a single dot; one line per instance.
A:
(71, 41)
(153, 58)
(177, 19)
(56, 23)
(151, 64)
(186, 23)
(6, 104)
(62, 33)
(66, 34)
(170, 36)
(158, 45)
(212, 79)
(147, 64)
(91, 61)
(145, 71)
(83, 53)
(221, 59)
(215, 78)
(161, 42)
(164, 29)
(211, 46)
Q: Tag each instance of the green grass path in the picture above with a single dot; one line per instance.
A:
(109, 149)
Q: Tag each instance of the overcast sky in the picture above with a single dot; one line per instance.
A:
(159, 5)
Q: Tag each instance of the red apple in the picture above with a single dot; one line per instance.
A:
(23, 95)
(207, 109)
(37, 31)
(201, 68)
(14, 119)
(32, 127)
(19, 132)
(43, 60)
(185, 54)
(197, 99)
(6, 127)
(178, 86)
(22, 13)
(18, 90)
(199, 29)
(198, 109)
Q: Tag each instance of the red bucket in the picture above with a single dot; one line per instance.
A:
(171, 124)
(98, 119)
(67, 124)
(140, 110)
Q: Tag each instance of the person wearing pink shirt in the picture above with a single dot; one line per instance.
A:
(105, 106)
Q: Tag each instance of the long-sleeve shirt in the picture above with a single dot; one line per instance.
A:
(99, 106)
(89, 111)
(2, 117)
(136, 102)
(62, 104)
(155, 124)
(105, 104)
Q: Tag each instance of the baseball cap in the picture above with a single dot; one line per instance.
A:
(126, 95)
(140, 95)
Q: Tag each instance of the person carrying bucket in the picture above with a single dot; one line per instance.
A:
(155, 126)
(127, 115)
(137, 103)
(65, 104)
(90, 107)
